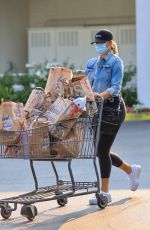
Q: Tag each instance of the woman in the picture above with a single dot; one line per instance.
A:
(105, 73)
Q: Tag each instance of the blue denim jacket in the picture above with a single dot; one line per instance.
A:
(105, 74)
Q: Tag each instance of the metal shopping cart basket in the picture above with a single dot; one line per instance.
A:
(45, 143)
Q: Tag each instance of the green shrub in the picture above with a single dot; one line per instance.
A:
(130, 96)
(7, 92)
(129, 93)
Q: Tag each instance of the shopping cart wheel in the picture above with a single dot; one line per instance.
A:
(101, 201)
(5, 212)
(62, 201)
(29, 211)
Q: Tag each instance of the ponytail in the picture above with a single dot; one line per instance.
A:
(114, 48)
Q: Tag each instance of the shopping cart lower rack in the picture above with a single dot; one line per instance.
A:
(64, 141)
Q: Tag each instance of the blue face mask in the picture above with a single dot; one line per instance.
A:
(101, 48)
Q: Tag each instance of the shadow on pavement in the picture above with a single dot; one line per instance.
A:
(120, 202)
(47, 219)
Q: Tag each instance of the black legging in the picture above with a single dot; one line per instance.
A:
(106, 157)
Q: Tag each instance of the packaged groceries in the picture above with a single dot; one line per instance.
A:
(50, 120)
(12, 121)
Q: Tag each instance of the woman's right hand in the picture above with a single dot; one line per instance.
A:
(96, 95)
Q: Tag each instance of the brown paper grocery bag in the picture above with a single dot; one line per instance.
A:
(72, 145)
(37, 101)
(39, 140)
(12, 122)
(57, 76)
(61, 129)
(32, 116)
(57, 109)
(82, 88)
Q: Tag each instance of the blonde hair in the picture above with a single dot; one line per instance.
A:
(114, 48)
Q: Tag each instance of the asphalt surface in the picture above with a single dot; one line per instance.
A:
(132, 143)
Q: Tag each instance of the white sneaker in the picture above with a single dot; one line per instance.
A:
(108, 195)
(134, 177)
(93, 200)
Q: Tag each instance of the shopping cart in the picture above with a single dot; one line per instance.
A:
(80, 141)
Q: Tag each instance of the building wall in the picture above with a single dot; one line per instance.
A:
(81, 13)
(14, 15)
(73, 44)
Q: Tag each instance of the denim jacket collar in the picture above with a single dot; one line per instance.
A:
(103, 61)
(108, 56)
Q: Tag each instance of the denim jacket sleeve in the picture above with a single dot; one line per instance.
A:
(117, 77)
(90, 68)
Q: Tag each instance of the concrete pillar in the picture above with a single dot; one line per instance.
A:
(143, 50)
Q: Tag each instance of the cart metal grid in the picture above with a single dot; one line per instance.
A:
(64, 141)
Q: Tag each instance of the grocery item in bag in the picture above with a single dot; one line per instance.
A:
(81, 103)
(57, 76)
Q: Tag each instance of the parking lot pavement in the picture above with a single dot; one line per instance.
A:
(132, 143)
(128, 211)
